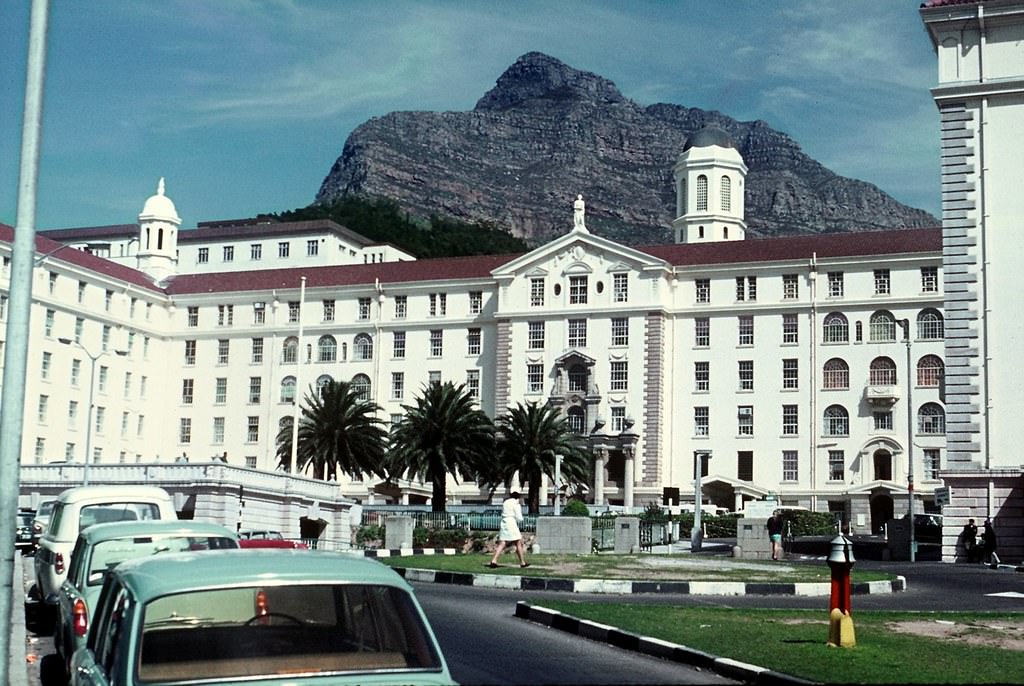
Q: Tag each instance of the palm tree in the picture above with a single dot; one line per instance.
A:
(338, 431)
(529, 436)
(443, 434)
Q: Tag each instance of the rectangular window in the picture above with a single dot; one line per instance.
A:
(329, 310)
(745, 370)
(930, 279)
(790, 329)
(81, 292)
(473, 342)
(790, 466)
(535, 335)
(438, 304)
(620, 288)
(701, 332)
(436, 343)
(229, 253)
(835, 284)
(76, 372)
(252, 433)
(534, 378)
(883, 421)
(220, 394)
(218, 430)
(259, 313)
(190, 353)
(620, 331)
(790, 420)
(108, 299)
(255, 252)
(476, 302)
(882, 282)
(433, 377)
(398, 345)
(618, 417)
(577, 333)
(193, 316)
(790, 374)
(703, 290)
(619, 375)
(204, 256)
(473, 383)
(124, 424)
(401, 306)
(745, 420)
(577, 290)
(222, 351)
(127, 385)
(932, 464)
(48, 323)
(44, 402)
(836, 465)
(312, 247)
(702, 376)
(537, 292)
(101, 382)
(257, 351)
(283, 249)
(105, 338)
(745, 327)
(44, 373)
(700, 421)
(397, 385)
(294, 307)
(185, 430)
(187, 391)
(72, 413)
(225, 315)
(790, 286)
(255, 389)
(364, 309)
(745, 465)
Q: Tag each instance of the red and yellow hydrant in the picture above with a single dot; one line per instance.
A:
(840, 622)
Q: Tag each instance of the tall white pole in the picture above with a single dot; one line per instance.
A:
(293, 462)
(910, 441)
(88, 426)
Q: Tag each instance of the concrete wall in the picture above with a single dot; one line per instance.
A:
(627, 535)
(398, 531)
(752, 539)
(564, 535)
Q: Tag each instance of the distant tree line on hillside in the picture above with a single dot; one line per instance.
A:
(382, 220)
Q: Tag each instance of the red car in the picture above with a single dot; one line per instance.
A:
(262, 538)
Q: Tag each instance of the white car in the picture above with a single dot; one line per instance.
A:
(82, 506)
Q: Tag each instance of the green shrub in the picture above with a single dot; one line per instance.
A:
(369, 533)
(654, 513)
(575, 508)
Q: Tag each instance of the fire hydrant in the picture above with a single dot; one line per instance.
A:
(840, 622)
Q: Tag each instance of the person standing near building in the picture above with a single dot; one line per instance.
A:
(774, 526)
(988, 543)
(511, 517)
(969, 540)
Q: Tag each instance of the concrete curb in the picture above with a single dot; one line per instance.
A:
(733, 669)
(17, 666)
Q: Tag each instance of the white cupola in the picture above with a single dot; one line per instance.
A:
(158, 235)
(709, 177)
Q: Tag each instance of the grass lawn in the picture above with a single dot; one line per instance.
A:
(636, 567)
(891, 647)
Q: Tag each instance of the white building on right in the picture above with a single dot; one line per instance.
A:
(980, 97)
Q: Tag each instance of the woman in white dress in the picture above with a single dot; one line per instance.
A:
(511, 516)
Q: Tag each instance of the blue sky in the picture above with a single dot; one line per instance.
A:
(243, 105)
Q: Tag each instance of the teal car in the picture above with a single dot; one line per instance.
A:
(258, 616)
(101, 547)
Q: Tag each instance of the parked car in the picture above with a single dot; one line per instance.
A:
(258, 617)
(41, 520)
(927, 527)
(262, 538)
(23, 531)
(82, 506)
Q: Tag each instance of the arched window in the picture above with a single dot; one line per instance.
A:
(682, 197)
(930, 325)
(836, 328)
(837, 421)
(288, 389)
(702, 193)
(578, 378)
(882, 327)
(290, 350)
(362, 347)
(726, 194)
(322, 381)
(931, 419)
(360, 385)
(883, 372)
(835, 374)
(327, 349)
(929, 371)
(574, 418)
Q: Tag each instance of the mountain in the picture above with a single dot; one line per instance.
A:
(547, 132)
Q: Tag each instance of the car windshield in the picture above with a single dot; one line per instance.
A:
(116, 512)
(108, 554)
(308, 629)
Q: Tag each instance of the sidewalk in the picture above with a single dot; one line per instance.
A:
(17, 672)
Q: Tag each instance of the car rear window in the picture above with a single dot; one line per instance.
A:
(108, 554)
(261, 631)
(116, 512)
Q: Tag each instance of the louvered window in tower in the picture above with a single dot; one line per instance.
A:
(702, 193)
(726, 194)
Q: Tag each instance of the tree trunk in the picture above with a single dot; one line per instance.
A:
(438, 495)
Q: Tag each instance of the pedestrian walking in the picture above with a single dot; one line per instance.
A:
(969, 540)
(509, 534)
(988, 543)
(774, 526)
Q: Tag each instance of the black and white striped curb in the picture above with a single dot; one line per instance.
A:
(406, 552)
(733, 669)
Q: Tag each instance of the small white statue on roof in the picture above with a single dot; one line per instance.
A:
(578, 211)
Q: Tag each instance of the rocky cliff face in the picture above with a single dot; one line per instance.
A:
(547, 132)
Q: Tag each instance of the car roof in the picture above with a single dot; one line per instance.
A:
(80, 493)
(151, 577)
(162, 527)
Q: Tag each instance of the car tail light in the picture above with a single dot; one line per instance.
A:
(58, 563)
(80, 618)
(261, 606)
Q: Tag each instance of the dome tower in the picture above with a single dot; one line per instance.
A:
(158, 235)
(709, 176)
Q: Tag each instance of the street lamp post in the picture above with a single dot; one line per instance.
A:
(910, 440)
(92, 387)
(700, 458)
